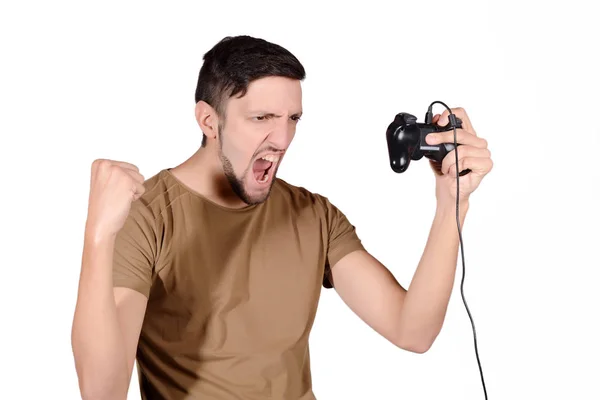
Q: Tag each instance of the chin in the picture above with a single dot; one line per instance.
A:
(250, 188)
(257, 192)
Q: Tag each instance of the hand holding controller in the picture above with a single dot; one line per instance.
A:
(406, 142)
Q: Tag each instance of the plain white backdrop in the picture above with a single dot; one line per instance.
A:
(85, 80)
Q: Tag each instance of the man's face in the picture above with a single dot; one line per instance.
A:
(258, 130)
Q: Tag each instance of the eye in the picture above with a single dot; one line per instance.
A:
(295, 118)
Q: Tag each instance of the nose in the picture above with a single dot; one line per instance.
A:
(283, 133)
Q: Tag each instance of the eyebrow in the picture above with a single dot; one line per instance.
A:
(270, 114)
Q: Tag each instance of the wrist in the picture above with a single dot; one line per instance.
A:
(448, 207)
(95, 236)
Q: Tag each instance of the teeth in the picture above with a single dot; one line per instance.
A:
(271, 157)
(264, 179)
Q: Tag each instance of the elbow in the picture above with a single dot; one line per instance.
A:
(417, 347)
(90, 390)
(418, 344)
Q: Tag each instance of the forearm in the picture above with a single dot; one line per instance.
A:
(424, 307)
(98, 346)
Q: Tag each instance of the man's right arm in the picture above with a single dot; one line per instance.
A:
(108, 320)
(106, 326)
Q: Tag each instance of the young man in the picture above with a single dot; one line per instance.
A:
(209, 273)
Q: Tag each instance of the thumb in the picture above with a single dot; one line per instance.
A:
(443, 120)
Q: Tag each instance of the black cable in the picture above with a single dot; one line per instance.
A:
(452, 119)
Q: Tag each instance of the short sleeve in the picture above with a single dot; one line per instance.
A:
(342, 240)
(135, 251)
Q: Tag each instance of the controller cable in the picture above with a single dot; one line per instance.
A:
(453, 124)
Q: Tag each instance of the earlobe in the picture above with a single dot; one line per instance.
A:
(207, 119)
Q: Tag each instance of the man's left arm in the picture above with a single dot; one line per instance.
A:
(412, 318)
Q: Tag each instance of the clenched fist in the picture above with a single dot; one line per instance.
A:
(114, 186)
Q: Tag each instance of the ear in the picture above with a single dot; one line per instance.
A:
(207, 119)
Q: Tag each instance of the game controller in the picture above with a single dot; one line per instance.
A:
(406, 141)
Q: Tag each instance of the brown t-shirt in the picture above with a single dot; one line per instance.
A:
(232, 293)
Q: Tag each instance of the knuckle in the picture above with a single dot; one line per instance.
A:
(100, 163)
(118, 172)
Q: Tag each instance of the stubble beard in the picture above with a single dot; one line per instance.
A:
(237, 184)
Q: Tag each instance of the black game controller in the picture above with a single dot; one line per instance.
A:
(406, 141)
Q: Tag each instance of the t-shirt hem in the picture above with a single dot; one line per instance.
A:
(337, 255)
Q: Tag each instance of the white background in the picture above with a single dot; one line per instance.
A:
(84, 80)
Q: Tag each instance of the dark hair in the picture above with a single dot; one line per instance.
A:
(233, 63)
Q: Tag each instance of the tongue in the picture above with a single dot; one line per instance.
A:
(261, 165)
(259, 168)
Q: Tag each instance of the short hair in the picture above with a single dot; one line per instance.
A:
(234, 62)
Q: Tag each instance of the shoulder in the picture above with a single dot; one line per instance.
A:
(144, 227)
(305, 202)
(161, 192)
(298, 196)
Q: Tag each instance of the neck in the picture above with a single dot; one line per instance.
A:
(203, 174)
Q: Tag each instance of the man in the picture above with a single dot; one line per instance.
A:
(209, 273)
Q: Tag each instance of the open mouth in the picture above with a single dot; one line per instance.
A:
(264, 167)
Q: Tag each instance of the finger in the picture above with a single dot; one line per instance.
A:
(477, 165)
(462, 137)
(138, 190)
(460, 113)
(126, 165)
(463, 152)
(106, 163)
(135, 175)
(104, 167)
(127, 179)
(99, 166)
(436, 118)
